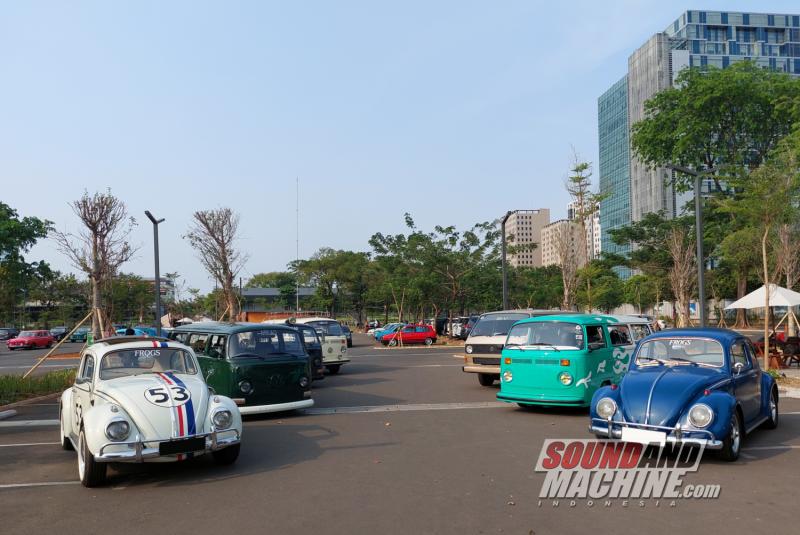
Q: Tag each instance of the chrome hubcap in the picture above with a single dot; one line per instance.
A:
(735, 434)
(773, 408)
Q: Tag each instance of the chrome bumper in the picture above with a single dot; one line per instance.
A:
(139, 453)
(481, 368)
(674, 435)
(277, 407)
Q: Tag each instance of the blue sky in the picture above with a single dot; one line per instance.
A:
(452, 111)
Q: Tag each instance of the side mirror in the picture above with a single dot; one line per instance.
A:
(737, 368)
(81, 380)
(209, 373)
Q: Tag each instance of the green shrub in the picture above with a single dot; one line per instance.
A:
(15, 388)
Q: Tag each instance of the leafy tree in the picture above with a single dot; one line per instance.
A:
(535, 287)
(17, 236)
(599, 287)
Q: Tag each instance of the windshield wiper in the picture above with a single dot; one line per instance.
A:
(250, 355)
(662, 362)
(514, 345)
(681, 359)
(548, 345)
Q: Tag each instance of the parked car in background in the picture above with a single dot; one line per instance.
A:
(386, 329)
(689, 386)
(58, 333)
(334, 342)
(262, 367)
(137, 400)
(31, 340)
(7, 333)
(373, 324)
(80, 334)
(467, 328)
(410, 334)
(563, 359)
(486, 339)
(313, 344)
(348, 334)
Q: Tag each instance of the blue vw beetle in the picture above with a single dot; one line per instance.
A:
(689, 386)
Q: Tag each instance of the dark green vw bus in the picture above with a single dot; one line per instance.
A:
(263, 368)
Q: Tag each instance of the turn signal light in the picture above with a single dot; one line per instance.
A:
(508, 360)
(565, 362)
(706, 392)
(614, 387)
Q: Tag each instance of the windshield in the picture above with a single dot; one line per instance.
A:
(543, 335)
(329, 328)
(265, 343)
(309, 335)
(127, 362)
(680, 350)
(496, 324)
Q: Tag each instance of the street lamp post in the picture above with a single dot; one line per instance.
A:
(158, 276)
(698, 224)
(503, 258)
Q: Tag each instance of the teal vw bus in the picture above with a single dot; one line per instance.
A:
(562, 359)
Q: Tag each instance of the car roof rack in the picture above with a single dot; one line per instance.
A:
(113, 340)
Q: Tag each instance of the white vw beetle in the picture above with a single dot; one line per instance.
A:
(144, 399)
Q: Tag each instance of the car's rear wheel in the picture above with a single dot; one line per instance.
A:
(393, 342)
(486, 379)
(333, 369)
(66, 443)
(772, 421)
(428, 341)
(227, 455)
(733, 442)
(90, 472)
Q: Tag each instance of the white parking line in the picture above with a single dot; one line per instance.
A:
(42, 366)
(43, 484)
(784, 447)
(409, 407)
(28, 444)
(29, 423)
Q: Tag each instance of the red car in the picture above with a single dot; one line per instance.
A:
(31, 340)
(410, 334)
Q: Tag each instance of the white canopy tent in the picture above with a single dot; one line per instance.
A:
(778, 297)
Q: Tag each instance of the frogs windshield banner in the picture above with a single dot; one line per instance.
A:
(603, 473)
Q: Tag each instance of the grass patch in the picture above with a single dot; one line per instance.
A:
(14, 388)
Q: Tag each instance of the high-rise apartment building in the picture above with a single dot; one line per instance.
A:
(593, 230)
(560, 239)
(696, 38)
(526, 227)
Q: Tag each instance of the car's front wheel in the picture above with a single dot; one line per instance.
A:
(227, 455)
(393, 342)
(90, 471)
(733, 442)
(429, 341)
(772, 420)
(486, 379)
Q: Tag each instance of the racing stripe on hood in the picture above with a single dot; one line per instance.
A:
(189, 408)
(178, 414)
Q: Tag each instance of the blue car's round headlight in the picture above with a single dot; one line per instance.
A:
(606, 408)
(701, 415)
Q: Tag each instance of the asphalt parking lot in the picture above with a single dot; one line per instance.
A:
(401, 442)
(19, 361)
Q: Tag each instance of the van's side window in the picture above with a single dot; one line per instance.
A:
(217, 347)
(198, 343)
(639, 331)
(619, 335)
(594, 335)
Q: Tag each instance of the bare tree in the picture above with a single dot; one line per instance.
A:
(585, 206)
(101, 247)
(568, 259)
(213, 235)
(682, 274)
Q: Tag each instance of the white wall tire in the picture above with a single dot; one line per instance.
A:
(66, 443)
(90, 472)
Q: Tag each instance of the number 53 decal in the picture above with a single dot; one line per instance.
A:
(160, 395)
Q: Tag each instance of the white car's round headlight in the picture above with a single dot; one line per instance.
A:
(606, 408)
(508, 376)
(118, 430)
(565, 378)
(468, 349)
(222, 419)
(701, 415)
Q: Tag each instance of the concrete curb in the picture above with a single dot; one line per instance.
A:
(30, 401)
(7, 414)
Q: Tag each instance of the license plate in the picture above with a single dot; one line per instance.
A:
(643, 436)
(182, 446)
